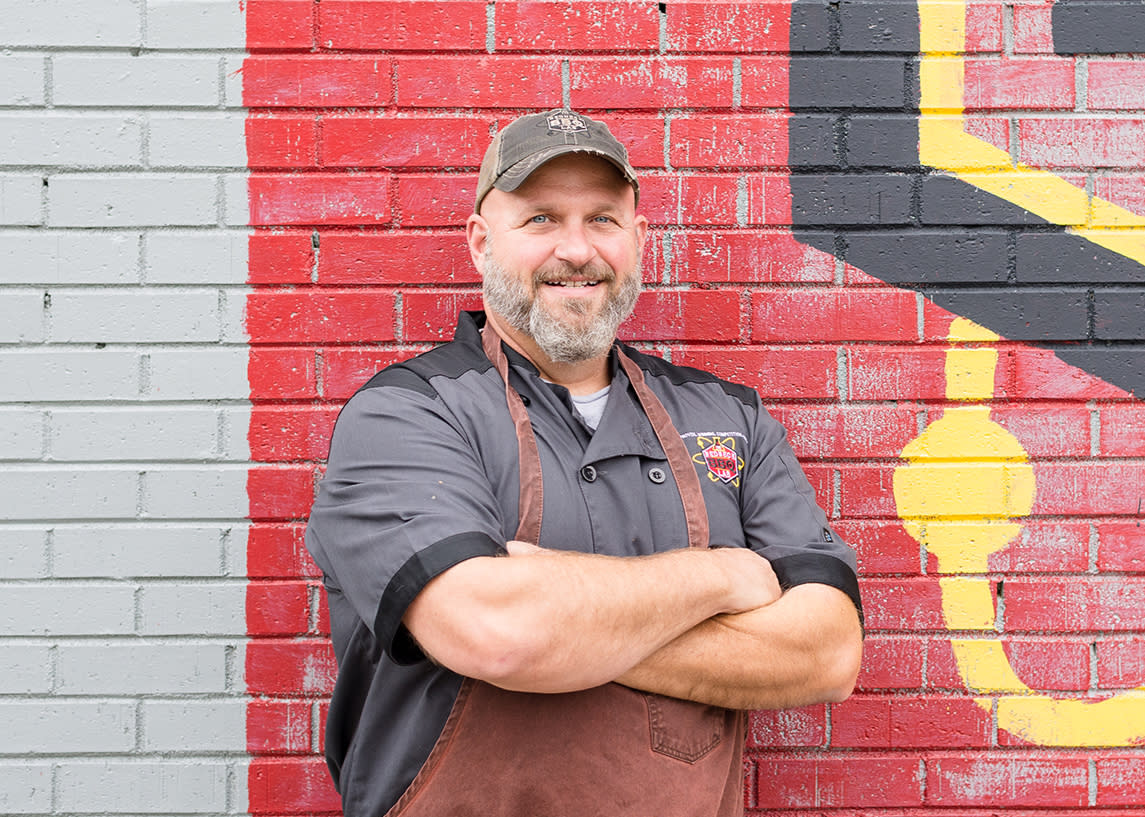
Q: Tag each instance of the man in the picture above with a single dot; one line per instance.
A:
(559, 570)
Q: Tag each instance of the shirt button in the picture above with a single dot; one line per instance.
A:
(656, 475)
(588, 473)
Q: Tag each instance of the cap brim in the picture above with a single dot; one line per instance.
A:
(515, 176)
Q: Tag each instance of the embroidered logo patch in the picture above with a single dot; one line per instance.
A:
(567, 123)
(719, 455)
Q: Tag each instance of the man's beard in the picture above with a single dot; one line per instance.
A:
(563, 338)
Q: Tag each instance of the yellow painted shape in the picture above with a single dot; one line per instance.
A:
(967, 603)
(945, 145)
(1116, 721)
(964, 330)
(970, 374)
(986, 663)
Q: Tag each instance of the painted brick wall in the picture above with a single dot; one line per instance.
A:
(917, 229)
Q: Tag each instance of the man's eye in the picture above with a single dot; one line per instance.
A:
(538, 219)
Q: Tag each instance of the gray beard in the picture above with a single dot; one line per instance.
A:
(561, 339)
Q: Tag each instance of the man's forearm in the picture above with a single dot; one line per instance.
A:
(805, 648)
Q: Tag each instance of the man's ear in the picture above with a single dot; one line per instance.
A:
(476, 236)
(641, 225)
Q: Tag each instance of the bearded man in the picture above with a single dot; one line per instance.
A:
(559, 570)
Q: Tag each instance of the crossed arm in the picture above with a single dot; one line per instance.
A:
(704, 625)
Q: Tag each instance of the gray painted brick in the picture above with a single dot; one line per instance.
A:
(58, 727)
(147, 81)
(233, 82)
(1021, 314)
(237, 205)
(23, 552)
(199, 374)
(21, 434)
(175, 787)
(232, 316)
(69, 256)
(194, 24)
(1119, 314)
(194, 726)
(1096, 27)
(25, 669)
(65, 608)
(917, 257)
(131, 315)
(236, 446)
(195, 493)
(95, 374)
(21, 79)
(198, 140)
(21, 200)
(61, 493)
(134, 434)
(127, 200)
(878, 26)
(216, 608)
(952, 201)
(1053, 258)
(810, 26)
(100, 23)
(847, 82)
(883, 141)
(812, 140)
(838, 199)
(141, 668)
(120, 551)
(23, 316)
(71, 140)
(184, 257)
(25, 788)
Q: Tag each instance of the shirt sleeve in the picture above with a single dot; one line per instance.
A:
(404, 498)
(782, 520)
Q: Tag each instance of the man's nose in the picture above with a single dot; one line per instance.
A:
(574, 245)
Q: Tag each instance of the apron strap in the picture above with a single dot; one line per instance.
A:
(531, 496)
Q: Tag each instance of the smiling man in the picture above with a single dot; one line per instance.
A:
(559, 570)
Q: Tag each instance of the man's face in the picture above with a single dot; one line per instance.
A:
(560, 256)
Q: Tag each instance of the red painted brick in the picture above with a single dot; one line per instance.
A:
(286, 433)
(1119, 780)
(277, 551)
(392, 142)
(479, 81)
(870, 722)
(435, 201)
(779, 728)
(1052, 663)
(333, 316)
(278, 727)
(281, 141)
(764, 82)
(1082, 143)
(896, 373)
(281, 786)
(277, 608)
(983, 27)
(585, 25)
(641, 134)
(868, 491)
(747, 256)
(303, 667)
(689, 199)
(708, 315)
(883, 546)
(769, 199)
(1006, 84)
(1039, 373)
(1081, 604)
(322, 622)
(891, 662)
(395, 258)
(408, 25)
(1121, 662)
(654, 82)
(279, 24)
(729, 27)
(847, 432)
(775, 373)
(1059, 430)
(1122, 430)
(280, 257)
(1044, 547)
(822, 480)
(903, 604)
(281, 373)
(319, 198)
(992, 130)
(1119, 547)
(1115, 85)
(1126, 191)
(316, 81)
(942, 670)
(280, 492)
(431, 314)
(1026, 780)
(728, 141)
(1109, 488)
(1033, 28)
(809, 315)
(345, 370)
(865, 781)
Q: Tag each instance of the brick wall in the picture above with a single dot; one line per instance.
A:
(917, 229)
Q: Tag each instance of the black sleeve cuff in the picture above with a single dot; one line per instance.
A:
(818, 568)
(415, 574)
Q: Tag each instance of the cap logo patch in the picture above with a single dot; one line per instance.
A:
(567, 123)
(718, 454)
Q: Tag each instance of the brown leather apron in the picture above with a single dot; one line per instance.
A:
(610, 750)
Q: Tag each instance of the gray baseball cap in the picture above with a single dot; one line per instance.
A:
(528, 142)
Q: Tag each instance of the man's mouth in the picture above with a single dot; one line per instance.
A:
(573, 284)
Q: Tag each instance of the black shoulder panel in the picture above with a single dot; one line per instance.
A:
(681, 375)
(450, 360)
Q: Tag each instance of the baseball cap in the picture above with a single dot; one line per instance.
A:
(528, 142)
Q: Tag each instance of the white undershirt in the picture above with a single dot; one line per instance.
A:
(591, 406)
